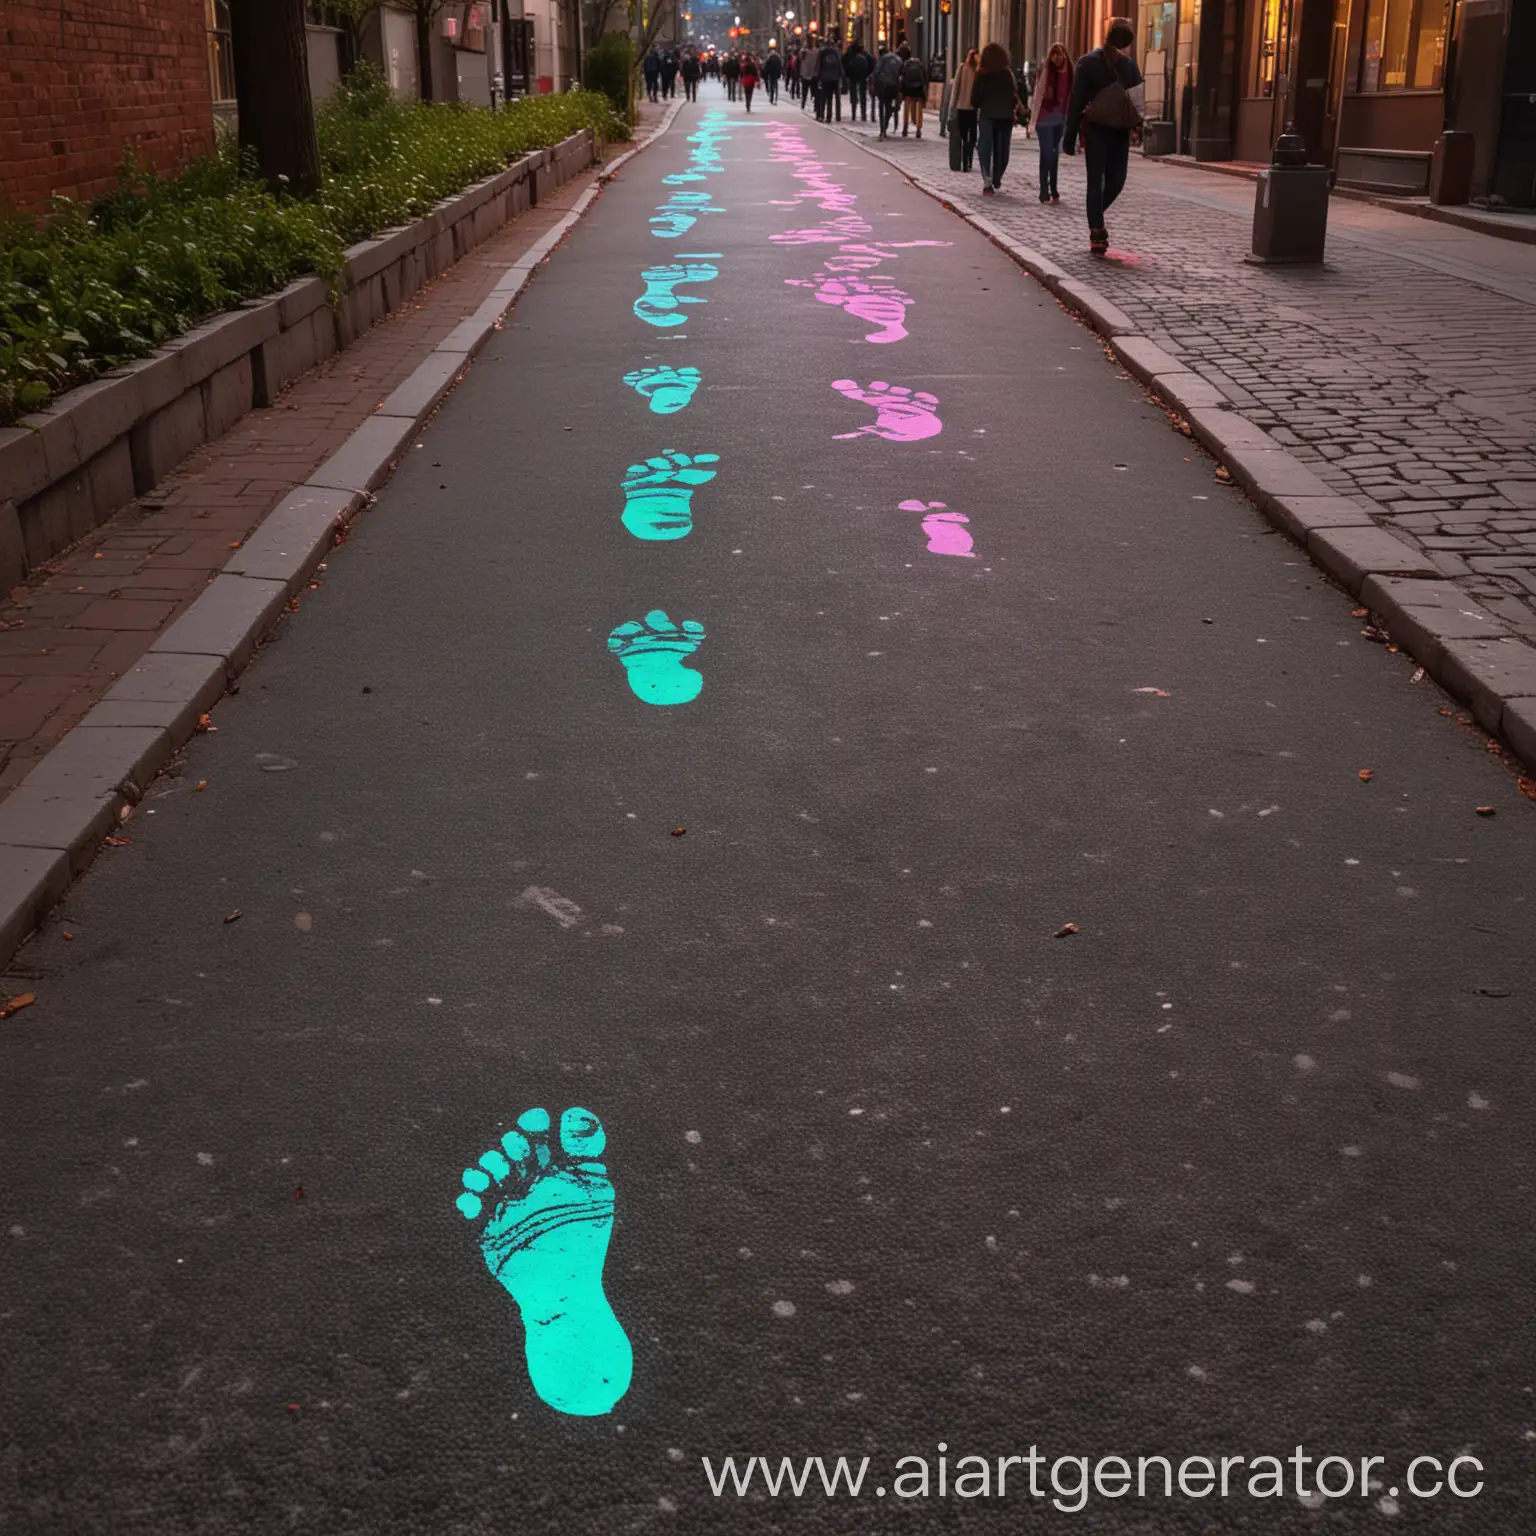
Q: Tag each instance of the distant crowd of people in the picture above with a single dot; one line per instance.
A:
(1095, 105)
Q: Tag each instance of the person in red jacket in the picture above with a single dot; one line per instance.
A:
(749, 77)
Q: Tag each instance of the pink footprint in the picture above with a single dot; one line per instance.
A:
(883, 308)
(945, 530)
(901, 415)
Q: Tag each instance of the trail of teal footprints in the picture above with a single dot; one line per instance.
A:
(545, 1239)
(654, 650)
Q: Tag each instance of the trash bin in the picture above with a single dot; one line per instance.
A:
(1157, 137)
(1290, 207)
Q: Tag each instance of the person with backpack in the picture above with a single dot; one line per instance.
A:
(963, 114)
(730, 72)
(829, 82)
(668, 75)
(886, 83)
(1053, 91)
(652, 71)
(690, 69)
(858, 66)
(995, 97)
(807, 72)
(914, 91)
(773, 68)
(1105, 108)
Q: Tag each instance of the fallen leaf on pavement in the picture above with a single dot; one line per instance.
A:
(1486, 810)
(16, 1004)
(1367, 774)
(1158, 693)
(678, 831)
(1224, 474)
(119, 842)
(205, 723)
(1360, 613)
(1418, 676)
(233, 917)
(1065, 931)
(1527, 788)
(303, 921)
(200, 786)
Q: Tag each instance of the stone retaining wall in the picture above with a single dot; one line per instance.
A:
(66, 470)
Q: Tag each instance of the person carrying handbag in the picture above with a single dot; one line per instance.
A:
(962, 127)
(1105, 109)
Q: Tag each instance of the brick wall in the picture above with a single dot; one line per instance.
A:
(79, 82)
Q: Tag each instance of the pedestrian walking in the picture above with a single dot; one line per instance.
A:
(858, 67)
(690, 69)
(1053, 93)
(886, 84)
(651, 67)
(1105, 109)
(914, 91)
(773, 68)
(963, 130)
(731, 73)
(829, 83)
(668, 75)
(996, 98)
(807, 74)
(749, 77)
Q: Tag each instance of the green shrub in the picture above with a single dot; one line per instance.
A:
(85, 290)
(610, 68)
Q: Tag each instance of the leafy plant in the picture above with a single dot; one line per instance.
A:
(610, 66)
(84, 290)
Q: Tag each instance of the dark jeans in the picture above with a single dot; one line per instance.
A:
(653, 86)
(807, 90)
(858, 100)
(746, 90)
(885, 101)
(771, 85)
(1107, 152)
(828, 99)
(994, 139)
(730, 89)
(964, 129)
(1050, 153)
(690, 90)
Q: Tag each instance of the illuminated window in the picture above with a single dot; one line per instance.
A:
(221, 62)
(1273, 17)
(1404, 45)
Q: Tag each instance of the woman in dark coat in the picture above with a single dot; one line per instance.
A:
(995, 99)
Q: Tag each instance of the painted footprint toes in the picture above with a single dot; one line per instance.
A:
(653, 653)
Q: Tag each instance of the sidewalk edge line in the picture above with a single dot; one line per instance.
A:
(1342, 538)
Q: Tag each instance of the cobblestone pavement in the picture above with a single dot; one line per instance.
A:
(1404, 370)
(69, 633)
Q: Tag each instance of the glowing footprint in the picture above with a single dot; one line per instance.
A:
(667, 389)
(659, 493)
(658, 304)
(901, 415)
(882, 307)
(680, 213)
(945, 530)
(653, 652)
(545, 1241)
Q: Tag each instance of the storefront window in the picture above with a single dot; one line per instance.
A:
(221, 62)
(1272, 17)
(1404, 45)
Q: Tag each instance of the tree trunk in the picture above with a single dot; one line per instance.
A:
(277, 116)
(424, 48)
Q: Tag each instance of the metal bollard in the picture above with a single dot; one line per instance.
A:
(1290, 208)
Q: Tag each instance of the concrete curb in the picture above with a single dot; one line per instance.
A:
(53, 822)
(1475, 657)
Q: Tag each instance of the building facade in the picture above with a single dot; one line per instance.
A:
(80, 87)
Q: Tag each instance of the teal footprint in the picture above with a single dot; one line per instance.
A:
(653, 652)
(667, 389)
(659, 493)
(658, 305)
(545, 1241)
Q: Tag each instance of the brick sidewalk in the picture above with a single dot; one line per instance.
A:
(1404, 370)
(70, 632)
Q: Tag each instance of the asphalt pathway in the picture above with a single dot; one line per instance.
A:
(1242, 1163)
